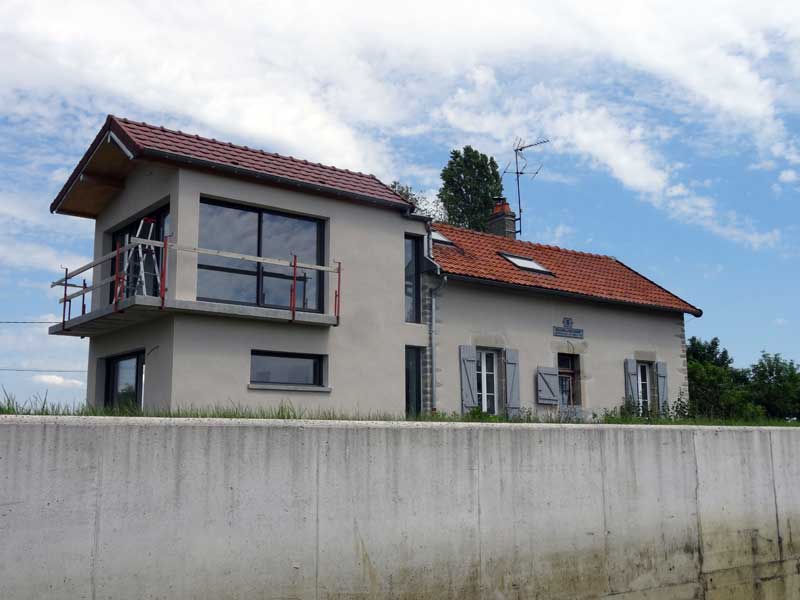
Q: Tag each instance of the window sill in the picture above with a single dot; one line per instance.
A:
(320, 389)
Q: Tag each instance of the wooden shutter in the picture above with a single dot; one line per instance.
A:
(469, 377)
(512, 383)
(547, 385)
(631, 382)
(661, 375)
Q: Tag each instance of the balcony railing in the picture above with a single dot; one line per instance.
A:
(140, 268)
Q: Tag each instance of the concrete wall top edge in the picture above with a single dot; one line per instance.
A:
(78, 421)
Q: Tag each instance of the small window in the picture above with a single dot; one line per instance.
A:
(413, 254)
(646, 393)
(285, 369)
(124, 381)
(527, 264)
(486, 366)
(413, 381)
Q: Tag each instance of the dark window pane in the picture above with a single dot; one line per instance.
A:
(225, 286)
(413, 381)
(231, 230)
(412, 285)
(565, 362)
(286, 369)
(284, 237)
(124, 381)
(126, 375)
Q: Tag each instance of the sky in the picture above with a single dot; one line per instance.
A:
(673, 128)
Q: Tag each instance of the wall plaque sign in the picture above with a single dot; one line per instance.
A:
(567, 330)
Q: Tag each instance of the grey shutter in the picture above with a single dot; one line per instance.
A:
(547, 385)
(631, 382)
(512, 383)
(661, 374)
(467, 356)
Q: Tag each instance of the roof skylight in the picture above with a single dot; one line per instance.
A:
(438, 237)
(528, 264)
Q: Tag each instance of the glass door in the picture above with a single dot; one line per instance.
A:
(487, 381)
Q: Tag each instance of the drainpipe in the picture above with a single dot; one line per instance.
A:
(434, 293)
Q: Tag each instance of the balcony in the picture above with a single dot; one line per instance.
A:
(137, 291)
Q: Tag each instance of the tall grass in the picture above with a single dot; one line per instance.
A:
(38, 404)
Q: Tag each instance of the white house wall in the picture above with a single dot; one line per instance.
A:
(496, 317)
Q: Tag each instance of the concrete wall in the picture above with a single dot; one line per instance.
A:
(203, 509)
(496, 317)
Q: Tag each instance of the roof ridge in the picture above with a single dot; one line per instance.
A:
(526, 242)
(241, 147)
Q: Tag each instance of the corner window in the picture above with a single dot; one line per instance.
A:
(142, 268)
(413, 257)
(124, 381)
(283, 368)
(265, 234)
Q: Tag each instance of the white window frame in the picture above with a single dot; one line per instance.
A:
(482, 376)
(647, 381)
(525, 263)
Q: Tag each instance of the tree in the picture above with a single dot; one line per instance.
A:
(708, 352)
(429, 207)
(470, 182)
(775, 385)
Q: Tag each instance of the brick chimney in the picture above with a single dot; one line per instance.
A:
(502, 221)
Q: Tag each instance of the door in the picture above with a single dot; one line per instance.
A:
(487, 380)
(644, 372)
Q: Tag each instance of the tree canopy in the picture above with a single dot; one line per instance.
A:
(470, 182)
(718, 390)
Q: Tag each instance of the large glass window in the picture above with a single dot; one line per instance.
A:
(259, 233)
(286, 369)
(142, 266)
(124, 379)
(413, 253)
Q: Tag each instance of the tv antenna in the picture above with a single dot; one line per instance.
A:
(519, 158)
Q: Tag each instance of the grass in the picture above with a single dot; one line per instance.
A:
(39, 405)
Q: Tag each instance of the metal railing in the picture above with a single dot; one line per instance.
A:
(130, 277)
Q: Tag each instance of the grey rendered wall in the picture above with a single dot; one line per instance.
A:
(155, 338)
(366, 360)
(500, 318)
(209, 509)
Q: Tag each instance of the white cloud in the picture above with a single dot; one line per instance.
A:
(18, 254)
(780, 322)
(554, 235)
(788, 176)
(58, 381)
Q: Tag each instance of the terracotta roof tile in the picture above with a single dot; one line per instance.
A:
(478, 255)
(151, 138)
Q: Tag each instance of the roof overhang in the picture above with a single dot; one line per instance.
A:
(99, 176)
(588, 297)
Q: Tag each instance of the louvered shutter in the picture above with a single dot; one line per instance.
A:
(663, 398)
(547, 385)
(512, 383)
(467, 356)
(631, 382)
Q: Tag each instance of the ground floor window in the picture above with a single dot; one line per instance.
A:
(486, 366)
(413, 381)
(646, 391)
(283, 368)
(124, 381)
(569, 390)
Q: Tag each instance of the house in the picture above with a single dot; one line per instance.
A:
(229, 276)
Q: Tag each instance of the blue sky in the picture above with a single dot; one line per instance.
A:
(674, 128)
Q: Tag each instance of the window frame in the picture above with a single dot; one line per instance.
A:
(416, 240)
(514, 257)
(573, 374)
(481, 373)
(319, 375)
(259, 272)
(645, 404)
(112, 377)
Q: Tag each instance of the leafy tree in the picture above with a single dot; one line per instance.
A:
(708, 352)
(774, 384)
(470, 182)
(407, 192)
(430, 207)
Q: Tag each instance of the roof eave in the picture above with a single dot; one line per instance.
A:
(549, 291)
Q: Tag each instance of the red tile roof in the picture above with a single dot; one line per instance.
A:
(478, 255)
(150, 141)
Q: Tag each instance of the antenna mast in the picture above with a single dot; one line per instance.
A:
(519, 148)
